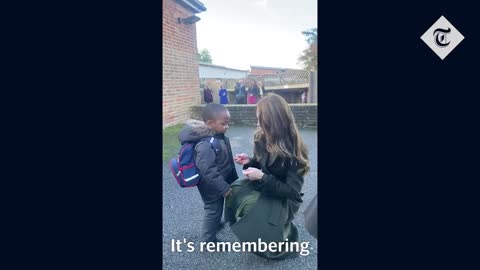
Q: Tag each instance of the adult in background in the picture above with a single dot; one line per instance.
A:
(223, 95)
(207, 95)
(261, 89)
(253, 93)
(244, 90)
(240, 93)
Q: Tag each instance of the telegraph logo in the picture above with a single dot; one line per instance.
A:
(442, 37)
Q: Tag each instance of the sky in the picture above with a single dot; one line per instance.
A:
(244, 33)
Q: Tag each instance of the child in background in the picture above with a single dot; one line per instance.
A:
(223, 95)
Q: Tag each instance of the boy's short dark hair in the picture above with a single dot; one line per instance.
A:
(212, 111)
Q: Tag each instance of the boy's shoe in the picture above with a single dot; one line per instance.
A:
(221, 226)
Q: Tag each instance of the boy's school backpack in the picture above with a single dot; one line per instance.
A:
(184, 168)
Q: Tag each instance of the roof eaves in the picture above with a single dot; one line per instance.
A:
(212, 65)
(271, 68)
(194, 5)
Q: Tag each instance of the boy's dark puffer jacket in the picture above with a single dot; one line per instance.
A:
(217, 171)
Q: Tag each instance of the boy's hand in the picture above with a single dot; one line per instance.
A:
(241, 159)
(227, 193)
(253, 173)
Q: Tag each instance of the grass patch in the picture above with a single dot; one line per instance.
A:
(171, 145)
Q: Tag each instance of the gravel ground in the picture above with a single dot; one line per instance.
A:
(185, 222)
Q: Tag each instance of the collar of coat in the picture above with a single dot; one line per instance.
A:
(200, 128)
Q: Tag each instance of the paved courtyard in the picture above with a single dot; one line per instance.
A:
(185, 222)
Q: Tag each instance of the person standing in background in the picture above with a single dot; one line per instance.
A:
(243, 92)
(207, 95)
(240, 94)
(223, 95)
(261, 90)
(253, 93)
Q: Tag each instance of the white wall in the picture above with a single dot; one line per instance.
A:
(220, 73)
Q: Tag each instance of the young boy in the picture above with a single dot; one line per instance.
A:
(217, 170)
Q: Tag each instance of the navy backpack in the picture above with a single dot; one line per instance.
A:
(184, 168)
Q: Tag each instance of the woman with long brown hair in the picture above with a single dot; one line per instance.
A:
(263, 205)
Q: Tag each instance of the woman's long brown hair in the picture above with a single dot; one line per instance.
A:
(277, 129)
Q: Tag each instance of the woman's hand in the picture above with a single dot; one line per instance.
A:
(241, 159)
(253, 173)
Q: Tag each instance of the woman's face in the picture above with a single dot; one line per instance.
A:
(258, 120)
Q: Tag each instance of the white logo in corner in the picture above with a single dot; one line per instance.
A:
(442, 37)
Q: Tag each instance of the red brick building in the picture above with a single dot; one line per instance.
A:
(180, 61)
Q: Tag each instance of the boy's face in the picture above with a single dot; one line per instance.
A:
(220, 125)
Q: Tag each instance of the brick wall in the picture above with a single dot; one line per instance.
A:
(245, 115)
(180, 65)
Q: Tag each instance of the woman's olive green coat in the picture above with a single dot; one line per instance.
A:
(280, 198)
